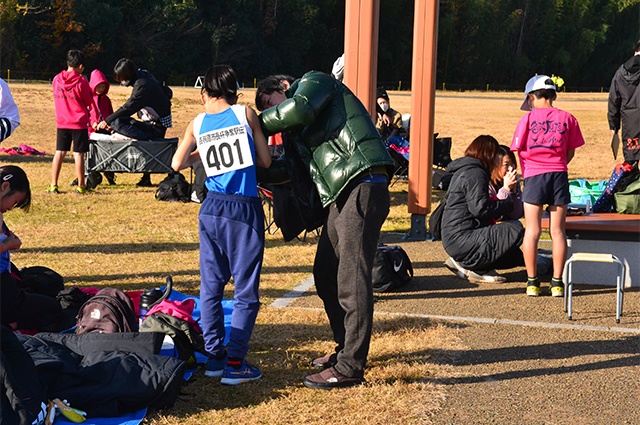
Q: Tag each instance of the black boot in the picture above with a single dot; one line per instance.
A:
(111, 177)
(145, 181)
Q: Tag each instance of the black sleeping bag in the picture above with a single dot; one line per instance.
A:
(106, 375)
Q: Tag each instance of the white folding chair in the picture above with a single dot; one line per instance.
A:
(597, 258)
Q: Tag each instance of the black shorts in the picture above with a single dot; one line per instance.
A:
(547, 188)
(80, 140)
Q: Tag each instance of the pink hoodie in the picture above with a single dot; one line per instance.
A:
(104, 107)
(72, 98)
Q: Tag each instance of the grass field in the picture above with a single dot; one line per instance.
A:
(121, 236)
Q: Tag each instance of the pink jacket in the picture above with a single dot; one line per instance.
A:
(103, 103)
(72, 98)
(180, 309)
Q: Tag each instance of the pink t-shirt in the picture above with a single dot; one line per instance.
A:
(542, 139)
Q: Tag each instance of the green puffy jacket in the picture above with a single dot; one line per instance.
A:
(332, 132)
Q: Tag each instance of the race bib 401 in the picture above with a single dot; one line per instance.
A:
(225, 150)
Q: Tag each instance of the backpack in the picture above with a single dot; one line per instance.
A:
(72, 298)
(435, 220)
(628, 200)
(391, 268)
(174, 188)
(187, 340)
(622, 175)
(41, 280)
(108, 311)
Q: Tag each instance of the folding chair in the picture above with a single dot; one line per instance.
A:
(441, 151)
(598, 258)
(400, 165)
(267, 199)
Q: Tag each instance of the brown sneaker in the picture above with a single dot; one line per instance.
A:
(330, 360)
(329, 379)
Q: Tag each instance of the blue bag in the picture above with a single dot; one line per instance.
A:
(605, 204)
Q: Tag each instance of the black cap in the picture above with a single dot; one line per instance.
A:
(382, 93)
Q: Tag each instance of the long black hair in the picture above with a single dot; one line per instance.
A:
(221, 81)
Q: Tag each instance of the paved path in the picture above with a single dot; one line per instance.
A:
(524, 362)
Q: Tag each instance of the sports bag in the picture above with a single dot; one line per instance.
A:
(391, 268)
(622, 175)
(435, 220)
(72, 298)
(174, 188)
(41, 280)
(582, 190)
(628, 200)
(186, 339)
(108, 311)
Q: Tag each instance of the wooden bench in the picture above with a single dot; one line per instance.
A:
(617, 234)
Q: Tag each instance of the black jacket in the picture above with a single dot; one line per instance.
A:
(467, 233)
(624, 106)
(147, 92)
(106, 375)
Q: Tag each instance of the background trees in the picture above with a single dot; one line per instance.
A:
(495, 42)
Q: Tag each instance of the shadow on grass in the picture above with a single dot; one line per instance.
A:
(124, 248)
(181, 277)
(31, 159)
(430, 287)
(133, 248)
(281, 351)
(626, 351)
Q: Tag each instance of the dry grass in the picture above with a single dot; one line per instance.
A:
(120, 236)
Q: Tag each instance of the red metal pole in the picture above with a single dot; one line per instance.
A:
(362, 18)
(425, 41)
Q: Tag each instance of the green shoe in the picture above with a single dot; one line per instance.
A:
(83, 190)
(52, 189)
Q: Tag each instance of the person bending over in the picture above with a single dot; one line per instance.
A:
(342, 152)
(150, 100)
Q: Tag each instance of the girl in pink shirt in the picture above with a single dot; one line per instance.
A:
(545, 140)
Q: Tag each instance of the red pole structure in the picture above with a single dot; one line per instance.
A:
(362, 18)
(423, 79)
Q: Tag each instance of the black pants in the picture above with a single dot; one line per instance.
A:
(342, 270)
(138, 130)
(491, 247)
(21, 392)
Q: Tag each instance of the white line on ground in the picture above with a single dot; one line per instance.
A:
(304, 286)
(297, 291)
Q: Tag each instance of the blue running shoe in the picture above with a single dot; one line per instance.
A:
(215, 368)
(244, 373)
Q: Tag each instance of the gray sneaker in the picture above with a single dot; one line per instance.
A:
(490, 277)
(460, 271)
